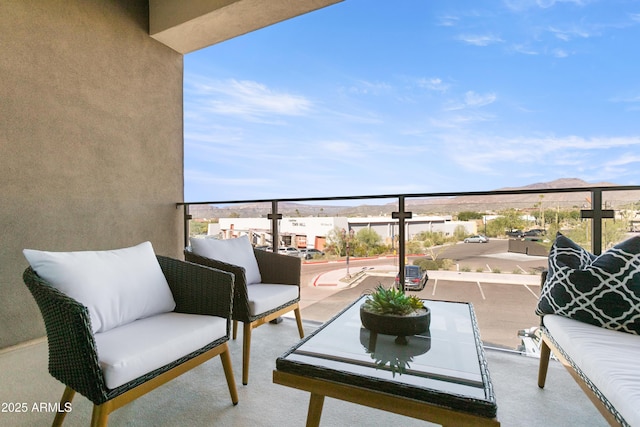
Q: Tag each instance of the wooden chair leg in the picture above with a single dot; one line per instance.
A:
(246, 351)
(228, 373)
(67, 397)
(235, 329)
(100, 415)
(545, 354)
(299, 321)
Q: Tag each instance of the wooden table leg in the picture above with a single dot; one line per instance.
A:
(315, 410)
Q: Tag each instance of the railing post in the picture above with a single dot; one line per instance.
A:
(186, 218)
(274, 216)
(596, 214)
(596, 222)
(400, 216)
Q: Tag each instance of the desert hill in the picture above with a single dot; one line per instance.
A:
(438, 205)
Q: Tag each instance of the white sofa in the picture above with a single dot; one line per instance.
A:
(602, 361)
(590, 310)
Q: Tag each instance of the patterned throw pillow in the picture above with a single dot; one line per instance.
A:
(604, 292)
(564, 257)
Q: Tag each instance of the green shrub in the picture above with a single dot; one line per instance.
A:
(446, 263)
(430, 264)
(426, 264)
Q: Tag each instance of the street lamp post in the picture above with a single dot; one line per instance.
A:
(347, 239)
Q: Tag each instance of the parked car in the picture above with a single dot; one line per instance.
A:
(414, 278)
(289, 250)
(534, 232)
(476, 239)
(515, 234)
(310, 253)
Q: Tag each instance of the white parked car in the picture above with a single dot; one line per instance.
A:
(289, 250)
(310, 253)
(476, 239)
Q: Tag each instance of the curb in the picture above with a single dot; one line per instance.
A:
(458, 276)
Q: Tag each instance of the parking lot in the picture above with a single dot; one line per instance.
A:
(503, 302)
(501, 309)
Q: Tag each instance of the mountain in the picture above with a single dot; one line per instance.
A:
(560, 183)
(437, 205)
(490, 203)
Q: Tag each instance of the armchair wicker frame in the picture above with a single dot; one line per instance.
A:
(73, 358)
(275, 269)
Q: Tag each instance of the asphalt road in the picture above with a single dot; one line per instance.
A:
(501, 309)
(492, 255)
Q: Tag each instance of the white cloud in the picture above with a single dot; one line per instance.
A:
(248, 99)
(560, 53)
(550, 3)
(206, 178)
(458, 120)
(448, 21)
(623, 160)
(550, 152)
(472, 100)
(570, 33)
(339, 147)
(526, 50)
(364, 87)
(519, 5)
(479, 40)
(632, 99)
(433, 83)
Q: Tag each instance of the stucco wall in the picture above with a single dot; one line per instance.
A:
(91, 144)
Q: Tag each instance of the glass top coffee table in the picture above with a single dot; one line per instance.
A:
(440, 376)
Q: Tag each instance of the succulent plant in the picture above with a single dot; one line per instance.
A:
(391, 301)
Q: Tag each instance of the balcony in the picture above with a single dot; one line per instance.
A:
(200, 397)
(376, 236)
(502, 285)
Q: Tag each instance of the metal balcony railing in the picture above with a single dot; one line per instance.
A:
(594, 207)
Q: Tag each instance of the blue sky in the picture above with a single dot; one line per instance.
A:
(376, 97)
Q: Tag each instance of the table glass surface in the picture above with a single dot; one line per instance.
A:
(446, 359)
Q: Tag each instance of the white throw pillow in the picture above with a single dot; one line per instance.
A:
(232, 251)
(117, 286)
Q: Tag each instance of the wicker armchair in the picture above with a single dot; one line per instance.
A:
(274, 269)
(73, 356)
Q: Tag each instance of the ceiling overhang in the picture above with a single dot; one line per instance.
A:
(189, 25)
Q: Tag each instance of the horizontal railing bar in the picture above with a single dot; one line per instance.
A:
(423, 195)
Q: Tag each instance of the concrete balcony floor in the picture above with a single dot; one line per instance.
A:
(200, 397)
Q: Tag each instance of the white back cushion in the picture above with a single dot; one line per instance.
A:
(232, 251)
(117, 286)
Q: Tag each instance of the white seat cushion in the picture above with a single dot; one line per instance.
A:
(608, 358)
(117, 286)
(132, 350)
(236, 251)
(265, 297)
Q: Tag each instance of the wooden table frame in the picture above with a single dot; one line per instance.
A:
(320, 388)
(319, 376)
